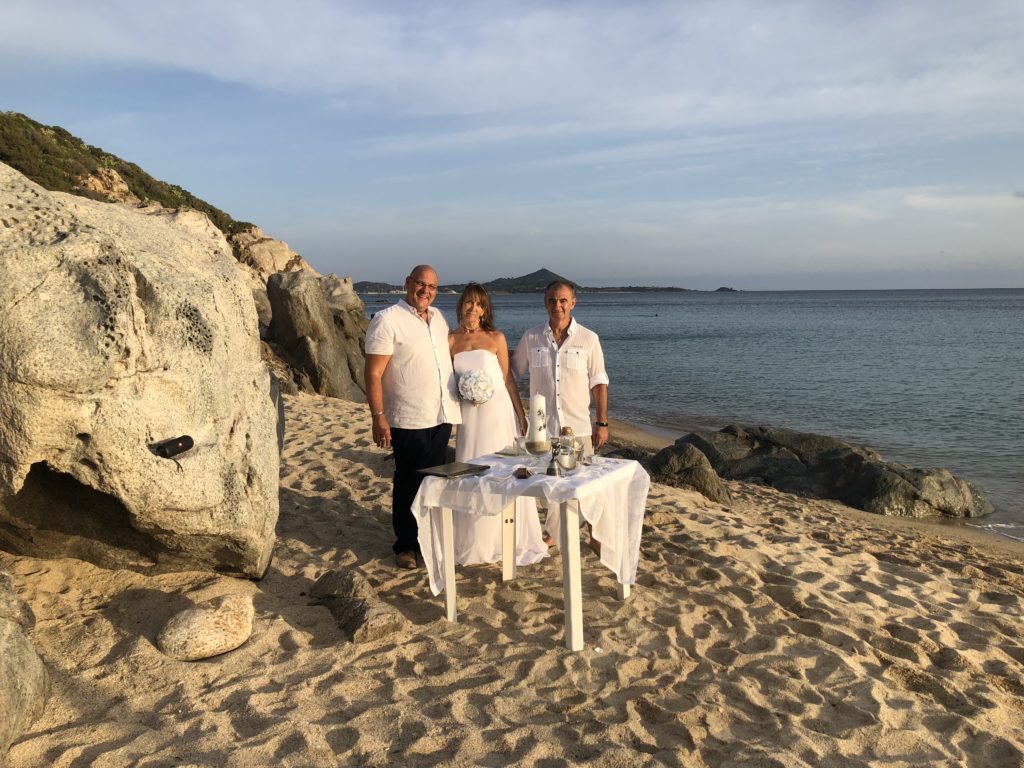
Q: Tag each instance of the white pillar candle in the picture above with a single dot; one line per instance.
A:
(538, 406)
(537, 436)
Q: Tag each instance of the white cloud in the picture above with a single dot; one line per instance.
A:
(873, 231)
(742, 131)
(650, 66)
(965, 203)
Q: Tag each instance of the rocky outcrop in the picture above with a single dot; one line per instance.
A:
(825, 467)
(319, 332)
(265, 256)
(122, 328)
(355, 605)
(351, 322)
(23, 680)
(108, 184)
(209, 629)
(682, 465)
(316, 344)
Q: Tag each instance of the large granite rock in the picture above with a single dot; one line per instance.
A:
(350, 319)
(122, 328)
(301, 347)
(825, 467)
(319, 326)
(23, 680)
(682, 465)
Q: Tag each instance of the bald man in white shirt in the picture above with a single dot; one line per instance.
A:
(411, 389)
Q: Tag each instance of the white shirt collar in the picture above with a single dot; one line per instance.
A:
(568, 331)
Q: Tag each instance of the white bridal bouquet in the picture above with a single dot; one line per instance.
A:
(476, 386)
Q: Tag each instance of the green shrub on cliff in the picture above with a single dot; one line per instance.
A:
(56, 160)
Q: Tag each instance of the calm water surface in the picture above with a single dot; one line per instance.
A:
(928, 378)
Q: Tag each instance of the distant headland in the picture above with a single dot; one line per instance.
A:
(535, 282)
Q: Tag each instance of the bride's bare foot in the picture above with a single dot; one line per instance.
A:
(548, 540)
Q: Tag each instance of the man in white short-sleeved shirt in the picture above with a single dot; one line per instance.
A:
(411, 390)
(566, 365)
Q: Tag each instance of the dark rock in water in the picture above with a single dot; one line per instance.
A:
(826, 467)
(323, 350)
(682, 465)
(24, 685)
(354, 603)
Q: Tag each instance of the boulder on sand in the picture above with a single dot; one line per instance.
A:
(122, 328)
(356, 607)
(682, 465)
(23, 680)
(209, 629)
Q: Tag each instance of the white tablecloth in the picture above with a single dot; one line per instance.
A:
(612, 494)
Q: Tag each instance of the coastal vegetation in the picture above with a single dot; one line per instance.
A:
(56, 160)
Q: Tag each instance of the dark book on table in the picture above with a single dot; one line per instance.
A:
(455, 469)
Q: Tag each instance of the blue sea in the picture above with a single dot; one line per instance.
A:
(930, 378)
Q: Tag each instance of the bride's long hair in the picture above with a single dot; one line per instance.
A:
(479, 293)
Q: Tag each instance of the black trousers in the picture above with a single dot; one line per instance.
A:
(414, 449)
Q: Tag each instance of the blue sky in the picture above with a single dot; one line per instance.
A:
(762, 145)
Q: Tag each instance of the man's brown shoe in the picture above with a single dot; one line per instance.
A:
(406, 560)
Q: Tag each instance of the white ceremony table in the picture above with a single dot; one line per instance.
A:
(610, 494)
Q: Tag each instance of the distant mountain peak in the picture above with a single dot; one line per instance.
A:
(531, 283)
(535, 282)
(542, 274)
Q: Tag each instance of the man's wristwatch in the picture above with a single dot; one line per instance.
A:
(601, 424)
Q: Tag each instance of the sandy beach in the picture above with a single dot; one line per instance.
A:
(779, 631)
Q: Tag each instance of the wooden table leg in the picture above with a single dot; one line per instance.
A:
(569, 535)
(623, 591)
(508, 542)
(448, 553)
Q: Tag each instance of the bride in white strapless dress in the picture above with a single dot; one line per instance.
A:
(487, 428)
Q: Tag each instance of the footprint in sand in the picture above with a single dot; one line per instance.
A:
(948, 658)
(291, 641)
(342, 740)
(999, 598)
(890, 646)
(902, 632)
(1015, 652)
(758, 644)
(917, 681)
(839, 719)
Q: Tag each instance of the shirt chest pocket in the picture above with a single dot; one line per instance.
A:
(576, 359)
(539, 358)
